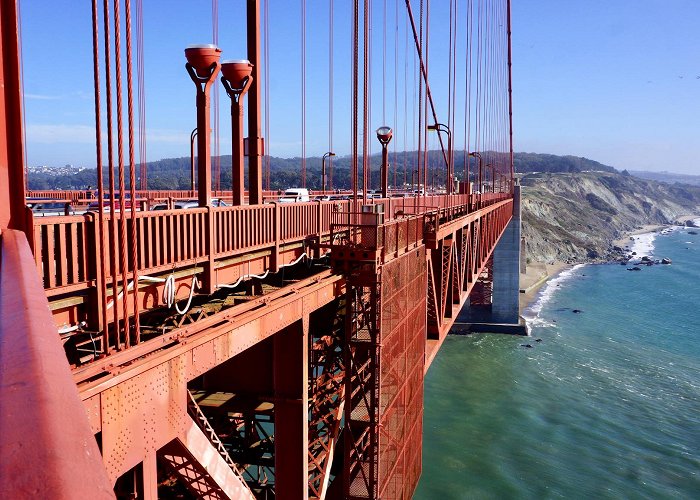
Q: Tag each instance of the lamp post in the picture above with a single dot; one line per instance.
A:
(486, 168)
(384, 135)
(477, 155)
(236, 78)
(193, 136)
(323, 170)
(203, 66)
(440, 127)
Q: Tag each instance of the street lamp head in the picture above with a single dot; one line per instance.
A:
(439, 127)
(384, 134)
(475, 154)
(236, 72)
(202, 56)
(329, 153)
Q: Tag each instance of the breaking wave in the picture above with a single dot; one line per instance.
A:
(532, 313)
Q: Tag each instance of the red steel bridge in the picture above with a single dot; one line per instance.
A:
(261, 349)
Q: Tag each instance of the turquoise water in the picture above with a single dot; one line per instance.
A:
(606, 405)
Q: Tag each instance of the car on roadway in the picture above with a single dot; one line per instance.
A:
(295, 195)
(185, 204)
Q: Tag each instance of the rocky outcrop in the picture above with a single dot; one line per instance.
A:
(575, 217)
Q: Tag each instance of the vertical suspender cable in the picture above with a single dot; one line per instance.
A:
(110, 160)
(424, 74)
(100, 188)
(384, 24)
(216, 173)
(420, 175)
(303, 93)
(120, 159)
(141, 95)
(468, 88)
(355, 99)
(330, 92)
(132, 176)
(396, 80)
(510, 93)
(424, 131)
(477, 102)
(365, 110)
(368, 94)
(405, 101)
(266, 91)
(454, 86)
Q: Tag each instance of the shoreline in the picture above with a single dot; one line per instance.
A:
(539, 274)
(536, 276)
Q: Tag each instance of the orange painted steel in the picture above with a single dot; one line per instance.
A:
(12, 172)
(435, 238)
(47, 447)
(331, 362)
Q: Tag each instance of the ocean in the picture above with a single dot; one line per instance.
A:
(605, 404)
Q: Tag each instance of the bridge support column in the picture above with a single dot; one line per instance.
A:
(504, 312)
(506, 270)
(291, 381)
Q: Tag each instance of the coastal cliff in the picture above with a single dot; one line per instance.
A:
(575, 217)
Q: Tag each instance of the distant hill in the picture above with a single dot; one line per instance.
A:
(668, 177)
(575, 217)
(174, 173)
(538, 162)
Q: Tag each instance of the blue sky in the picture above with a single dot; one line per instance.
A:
(617, 81)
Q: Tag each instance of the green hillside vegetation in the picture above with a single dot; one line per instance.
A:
(174, 173)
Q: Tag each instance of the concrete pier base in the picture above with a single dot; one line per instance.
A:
(519, 328)
(503, 315)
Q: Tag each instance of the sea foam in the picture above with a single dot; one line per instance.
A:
(532, 313)
(643, 244)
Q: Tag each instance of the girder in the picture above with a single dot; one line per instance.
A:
(304, 384)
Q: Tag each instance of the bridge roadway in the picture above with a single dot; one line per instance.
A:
(290, 373)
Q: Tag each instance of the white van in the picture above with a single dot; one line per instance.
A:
(294, 195)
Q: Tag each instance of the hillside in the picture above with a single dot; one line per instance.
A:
(174, 173)
(575, 217)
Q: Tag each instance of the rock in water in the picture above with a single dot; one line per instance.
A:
(666, 260)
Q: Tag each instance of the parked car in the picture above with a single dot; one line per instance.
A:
(295, 195)
(185, 204)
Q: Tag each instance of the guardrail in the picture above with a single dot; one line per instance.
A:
(47, 446)
(67, 249)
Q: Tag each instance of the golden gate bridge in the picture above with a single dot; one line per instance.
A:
(261, 349)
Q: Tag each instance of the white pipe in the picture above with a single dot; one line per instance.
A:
(71, 328)
(260, 276)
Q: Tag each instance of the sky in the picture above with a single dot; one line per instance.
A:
(617, 81)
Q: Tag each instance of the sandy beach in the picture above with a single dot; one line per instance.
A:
(536, 276)
(539, 273)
